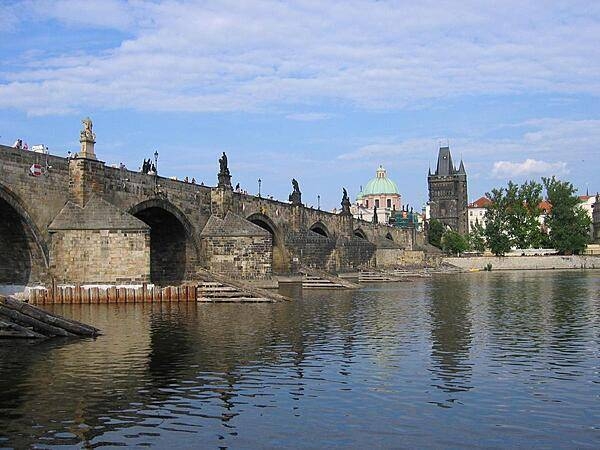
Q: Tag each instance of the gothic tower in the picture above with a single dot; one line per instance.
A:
(448, 192)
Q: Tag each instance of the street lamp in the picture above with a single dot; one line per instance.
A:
(318, 202)
(259, 182)
(155, 171)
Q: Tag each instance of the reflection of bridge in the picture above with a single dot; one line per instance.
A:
(82, 221)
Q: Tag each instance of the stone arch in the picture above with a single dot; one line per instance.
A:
(320, 228)
(23, 252)
(173, 247)
(359, 233)
(280, 254)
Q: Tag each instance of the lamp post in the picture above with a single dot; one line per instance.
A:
(156, 171)
(318, 202)
(259, 182)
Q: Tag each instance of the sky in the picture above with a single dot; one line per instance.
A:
(323, 92)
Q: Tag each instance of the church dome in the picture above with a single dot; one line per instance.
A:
(381, 184)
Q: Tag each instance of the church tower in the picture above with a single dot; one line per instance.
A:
(448, 192)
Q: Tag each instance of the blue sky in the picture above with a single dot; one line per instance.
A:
(320, 91)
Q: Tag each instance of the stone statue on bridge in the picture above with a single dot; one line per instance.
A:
(87, 138)
(345, 202)
(224, 176)
(296, 196)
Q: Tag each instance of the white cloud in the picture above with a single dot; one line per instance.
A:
(238, 56)
(508, 169)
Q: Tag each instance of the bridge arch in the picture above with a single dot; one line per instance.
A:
(320, 228)
(359, 233)
(280, 254)
(173, 249)
(23, 252)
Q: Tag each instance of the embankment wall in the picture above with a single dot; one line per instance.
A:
(526, 262)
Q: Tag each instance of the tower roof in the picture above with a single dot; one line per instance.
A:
(444, 163)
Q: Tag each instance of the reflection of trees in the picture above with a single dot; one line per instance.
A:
(451, 332)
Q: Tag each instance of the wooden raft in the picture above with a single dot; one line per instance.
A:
(21, 320)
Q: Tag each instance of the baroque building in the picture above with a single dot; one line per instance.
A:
(379, 194)
(448, 192)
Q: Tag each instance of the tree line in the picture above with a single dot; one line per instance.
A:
(512, 220)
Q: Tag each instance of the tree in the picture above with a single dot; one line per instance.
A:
(476, 238)
(497, 236)
(454, 243)
(569, 224)
(435, 232)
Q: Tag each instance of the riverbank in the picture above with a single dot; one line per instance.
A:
(525, 262)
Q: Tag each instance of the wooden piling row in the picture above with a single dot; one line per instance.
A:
(112, 294)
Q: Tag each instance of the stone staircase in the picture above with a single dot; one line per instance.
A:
(372, 276)
(315, 282)
(214, 291)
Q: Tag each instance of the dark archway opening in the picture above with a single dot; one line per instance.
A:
(389, 236)
(360, 234)
(279, 259)
(319, 228)
(15, 247)
(168, 252)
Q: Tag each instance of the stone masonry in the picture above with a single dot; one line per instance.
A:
(83, 221)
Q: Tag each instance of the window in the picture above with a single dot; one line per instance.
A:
(367, 203)
(389, 202)
(377, 203)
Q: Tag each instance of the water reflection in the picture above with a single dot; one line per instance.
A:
(333, 369)
(450, 310)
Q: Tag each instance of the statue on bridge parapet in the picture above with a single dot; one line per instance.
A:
(224, 176)
(345, 203)
(296, 196)
(87, 138)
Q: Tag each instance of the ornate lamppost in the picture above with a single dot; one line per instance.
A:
(318, 202)
(259, 183)
(156, 171)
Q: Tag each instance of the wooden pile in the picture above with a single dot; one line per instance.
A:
(21, 320)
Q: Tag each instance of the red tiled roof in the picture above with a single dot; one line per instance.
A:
(545, 205)
(481, 202)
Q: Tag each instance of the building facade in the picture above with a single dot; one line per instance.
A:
(448, 193)
(476, 212)
(380, 194)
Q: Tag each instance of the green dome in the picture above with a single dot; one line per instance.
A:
(381, 184)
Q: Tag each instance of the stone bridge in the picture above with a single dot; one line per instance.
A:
(82, 221)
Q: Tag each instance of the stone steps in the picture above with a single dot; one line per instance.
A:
(216, 292)
(314, 282)
(376, 277)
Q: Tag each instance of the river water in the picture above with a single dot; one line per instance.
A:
(484, 360)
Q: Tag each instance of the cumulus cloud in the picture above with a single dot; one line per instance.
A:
(238, 56)
(508, 169)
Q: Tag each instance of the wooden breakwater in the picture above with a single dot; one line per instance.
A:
(21, 320)
(76, 294)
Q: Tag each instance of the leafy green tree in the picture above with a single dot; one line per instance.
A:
(524, 215)
(497, 231)
(435, 232)
(569, 224)
(476, 238)
(454, 243)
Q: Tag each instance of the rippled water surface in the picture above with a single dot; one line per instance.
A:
(473, 360)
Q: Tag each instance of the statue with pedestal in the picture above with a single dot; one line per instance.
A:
(345, 203)
(87, 138)
(296, 196)
(224, 176)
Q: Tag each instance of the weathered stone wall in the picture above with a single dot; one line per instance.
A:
(526, 262)
(100, 256)
(311, 249)
(247, 257)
